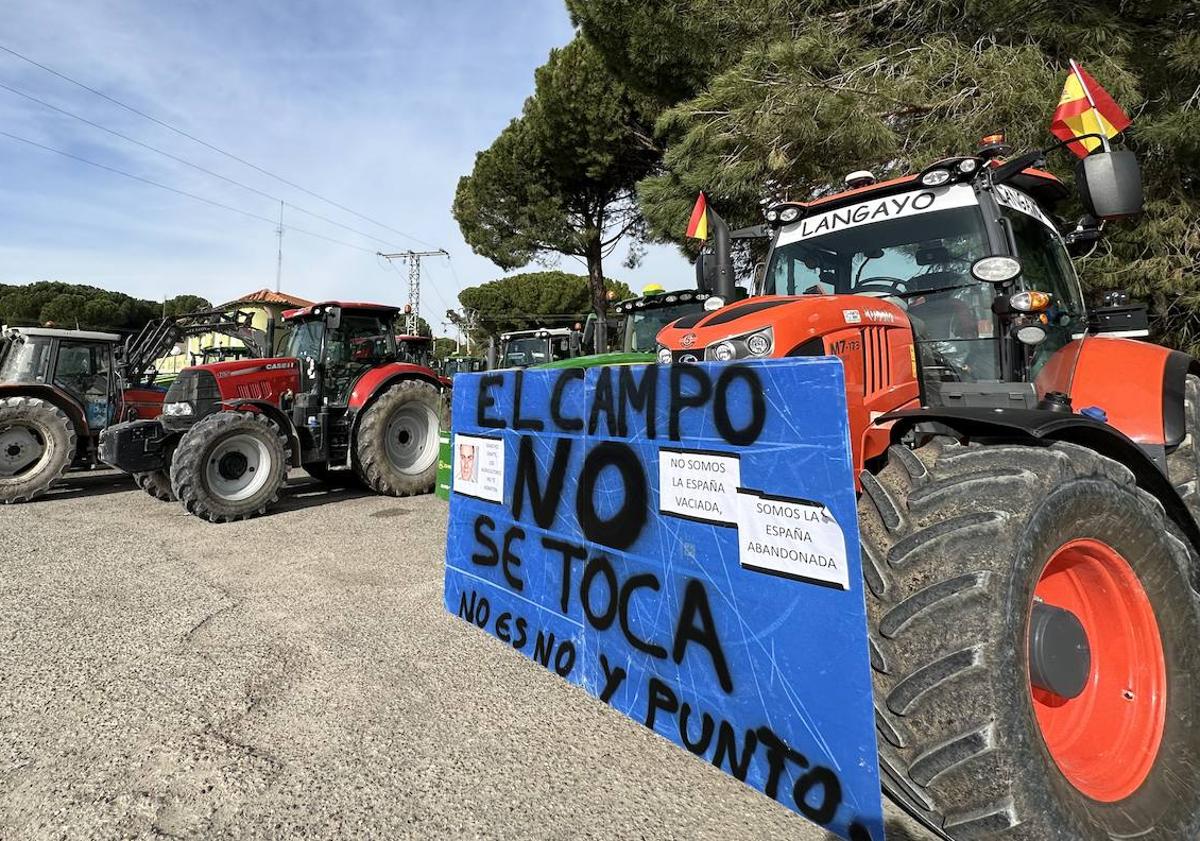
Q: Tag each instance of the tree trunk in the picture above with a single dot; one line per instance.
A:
(599, 295)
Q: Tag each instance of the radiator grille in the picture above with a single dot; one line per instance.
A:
(877, 360)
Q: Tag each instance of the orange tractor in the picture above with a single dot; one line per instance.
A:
(340, 402)
(1028, 492)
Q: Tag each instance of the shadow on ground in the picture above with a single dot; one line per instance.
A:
(93, 483)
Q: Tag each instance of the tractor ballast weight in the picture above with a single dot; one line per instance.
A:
(338, 404)
(1027, 495)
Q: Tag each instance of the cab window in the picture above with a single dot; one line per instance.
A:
(1046, 267)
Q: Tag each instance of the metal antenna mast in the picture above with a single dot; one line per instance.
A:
(413, 258)
(279, 254)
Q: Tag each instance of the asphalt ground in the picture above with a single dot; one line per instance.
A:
(296, 676)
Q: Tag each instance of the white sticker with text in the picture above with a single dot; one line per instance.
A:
(793, 538)
(478, 467)
(699, 486)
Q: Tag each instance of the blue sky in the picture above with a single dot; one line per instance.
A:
(378, 105)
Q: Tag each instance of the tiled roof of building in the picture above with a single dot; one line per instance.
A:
(267, 296)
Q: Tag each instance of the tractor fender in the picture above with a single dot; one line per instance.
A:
(280, 419)
(55, 395)
(1044, 426)
(1139, 386)
(378, 380)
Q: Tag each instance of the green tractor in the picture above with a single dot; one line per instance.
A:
(640, 320)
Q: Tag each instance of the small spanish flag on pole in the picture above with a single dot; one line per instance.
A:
(698, 225)
(1086, 108)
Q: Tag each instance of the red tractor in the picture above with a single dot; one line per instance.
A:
(1028, 492)
(337, 403)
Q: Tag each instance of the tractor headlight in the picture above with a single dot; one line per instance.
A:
(997, 269)
(177, 409)
(664, 355)
(789, 214)
(935, 178)
(759, 344)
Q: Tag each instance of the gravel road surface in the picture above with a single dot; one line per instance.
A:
(296, 676)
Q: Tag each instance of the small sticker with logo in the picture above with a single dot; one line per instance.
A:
(688, 339)
(852, 316)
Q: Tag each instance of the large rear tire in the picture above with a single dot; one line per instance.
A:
(37, 445)
(958, 543)
(229, 466)
(397, 443)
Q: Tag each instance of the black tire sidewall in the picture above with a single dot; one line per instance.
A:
(372, 462)
(54, 427)
(188, 469)
(1164, 805)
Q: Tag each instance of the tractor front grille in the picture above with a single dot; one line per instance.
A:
(877, 360)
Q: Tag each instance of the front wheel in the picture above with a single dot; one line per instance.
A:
(397, 443)
(229, 466)
(1088, 731)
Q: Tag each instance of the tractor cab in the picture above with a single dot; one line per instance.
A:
(460, 364)
(522, 348)
(415, 349)
(336, 343)
(644, 316)
(75, 363)
(955, 278)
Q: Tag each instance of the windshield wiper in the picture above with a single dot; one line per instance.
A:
(918, 292)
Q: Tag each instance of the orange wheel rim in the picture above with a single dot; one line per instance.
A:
(1106, 739)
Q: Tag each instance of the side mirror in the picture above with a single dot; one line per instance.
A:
(1110, 184)
(333, 318)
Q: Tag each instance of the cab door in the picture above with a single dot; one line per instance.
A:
(84, 370)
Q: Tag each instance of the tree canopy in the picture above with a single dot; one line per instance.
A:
(89, 307)
(533, 299)
(560, 179)
(775, 98)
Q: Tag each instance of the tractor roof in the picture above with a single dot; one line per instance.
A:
(347, 306)
(414, 339)
(88, 335)
(537, 332)
(660, 299)
(1042, 186)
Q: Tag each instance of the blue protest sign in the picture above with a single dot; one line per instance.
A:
(682, 542)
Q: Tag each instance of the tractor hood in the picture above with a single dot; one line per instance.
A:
(774, 326)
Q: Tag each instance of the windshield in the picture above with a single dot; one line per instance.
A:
(25, 361)
(915, 250)
(1045, 267)
(642, 326)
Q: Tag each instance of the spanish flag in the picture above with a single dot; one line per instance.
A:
(698, 225)
(1086, 108)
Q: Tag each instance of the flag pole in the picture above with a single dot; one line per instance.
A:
(1092, 103)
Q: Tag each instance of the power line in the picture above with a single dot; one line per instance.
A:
(187, 163)
(208, 201)
(208, 145)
